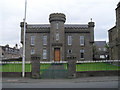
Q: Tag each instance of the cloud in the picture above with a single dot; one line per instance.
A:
(76, 11)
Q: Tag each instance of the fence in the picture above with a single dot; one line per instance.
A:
(101, 65)
(105, 65)
(81, 66)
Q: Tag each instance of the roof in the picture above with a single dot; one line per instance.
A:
(77, 25)
(100, 43)
(66, 25)
(3, 47)
(112, 28)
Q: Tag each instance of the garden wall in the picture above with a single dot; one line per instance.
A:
(78, 74)
(97, 73)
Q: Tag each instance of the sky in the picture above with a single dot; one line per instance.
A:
(102, 13)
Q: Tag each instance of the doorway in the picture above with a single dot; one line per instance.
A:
(57, 54)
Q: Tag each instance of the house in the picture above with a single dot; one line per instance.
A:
(114, 37)
(55, 41)
(7, 52)
(100, 51)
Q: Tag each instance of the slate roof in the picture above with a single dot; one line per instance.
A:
(100, 43)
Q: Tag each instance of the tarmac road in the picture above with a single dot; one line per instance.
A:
(88, 82)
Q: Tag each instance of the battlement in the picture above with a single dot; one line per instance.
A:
(91, 24)
(57, 17)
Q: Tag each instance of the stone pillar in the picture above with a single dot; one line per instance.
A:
(71, 66)
(35, 59)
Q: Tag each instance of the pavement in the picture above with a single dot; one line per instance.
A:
(83, 82)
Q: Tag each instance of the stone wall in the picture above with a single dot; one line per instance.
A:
(35, 66)
(71, 66)
(97, 73)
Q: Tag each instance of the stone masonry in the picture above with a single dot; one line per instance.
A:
(35, 66)
(114, 37)
(57, 33)
(71, 66)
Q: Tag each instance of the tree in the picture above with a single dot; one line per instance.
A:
(107, 49)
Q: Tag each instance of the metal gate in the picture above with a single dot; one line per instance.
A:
(53, 70)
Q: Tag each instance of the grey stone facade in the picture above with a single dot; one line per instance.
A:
(59, 45)
(100, 51)
(35, 59)
(7, 52)
(114, 37)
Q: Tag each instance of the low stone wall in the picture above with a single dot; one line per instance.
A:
(97, 73)
(78, 74)
(15, 74)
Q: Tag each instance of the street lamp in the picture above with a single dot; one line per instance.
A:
(23, 61)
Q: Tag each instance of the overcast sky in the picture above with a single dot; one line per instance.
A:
(76, 11)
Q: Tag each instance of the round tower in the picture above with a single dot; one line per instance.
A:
(57, 17)
(57, 21)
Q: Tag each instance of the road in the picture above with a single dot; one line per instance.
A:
(89, 82)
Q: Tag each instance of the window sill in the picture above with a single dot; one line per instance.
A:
(32, 45)
(82, 58)
(82, 45)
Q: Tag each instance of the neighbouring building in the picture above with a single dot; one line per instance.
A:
(100, 51)
(56, 40)
(114, 37)
(7, 52)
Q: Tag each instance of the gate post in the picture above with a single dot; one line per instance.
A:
(71, 66)
(35, 59)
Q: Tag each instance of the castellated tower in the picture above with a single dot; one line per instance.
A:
(118, 28)
(57, 21)
(91, 26)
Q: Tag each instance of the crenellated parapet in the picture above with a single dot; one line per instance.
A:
(57, 17)
(91, 24)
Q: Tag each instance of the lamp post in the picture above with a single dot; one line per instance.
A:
(23, 60)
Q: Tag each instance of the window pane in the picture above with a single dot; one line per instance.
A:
(69, 40)
(32, 40)
(57, 25)
(44, 54)
(32, 51)
(82, 54)
(99, 49)
(81, 40)
(69, 51)
(44, 40)
(57, 36)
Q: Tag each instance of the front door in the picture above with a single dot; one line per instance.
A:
(57, 54)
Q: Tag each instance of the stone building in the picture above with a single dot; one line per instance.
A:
(7, 52)
(100, 51)
(114, 37)
(54, 41)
